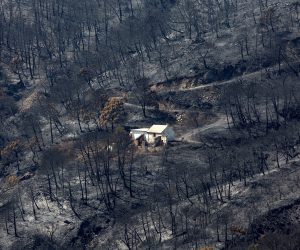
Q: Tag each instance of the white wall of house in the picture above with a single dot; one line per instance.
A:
(167, 136)
(150, 138)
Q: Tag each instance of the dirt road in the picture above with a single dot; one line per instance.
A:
(218, 125)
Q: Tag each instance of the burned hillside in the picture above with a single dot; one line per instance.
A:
(149, 124)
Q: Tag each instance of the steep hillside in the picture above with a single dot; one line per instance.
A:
(77, 75)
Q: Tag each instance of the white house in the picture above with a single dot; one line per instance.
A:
(155, 135)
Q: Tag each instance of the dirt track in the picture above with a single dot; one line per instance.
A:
(248, 76)
(219, 124)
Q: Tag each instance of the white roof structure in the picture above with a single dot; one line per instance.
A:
(157, 129)
(140, 130)
(137, 133)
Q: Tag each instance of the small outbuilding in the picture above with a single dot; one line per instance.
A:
(138, 135)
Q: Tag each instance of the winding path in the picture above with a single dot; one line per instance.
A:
(219, 125)
(248, 76)
(221, 122)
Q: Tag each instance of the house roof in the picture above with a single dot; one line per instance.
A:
(139, 130)
(157, 129)
(137, 133)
